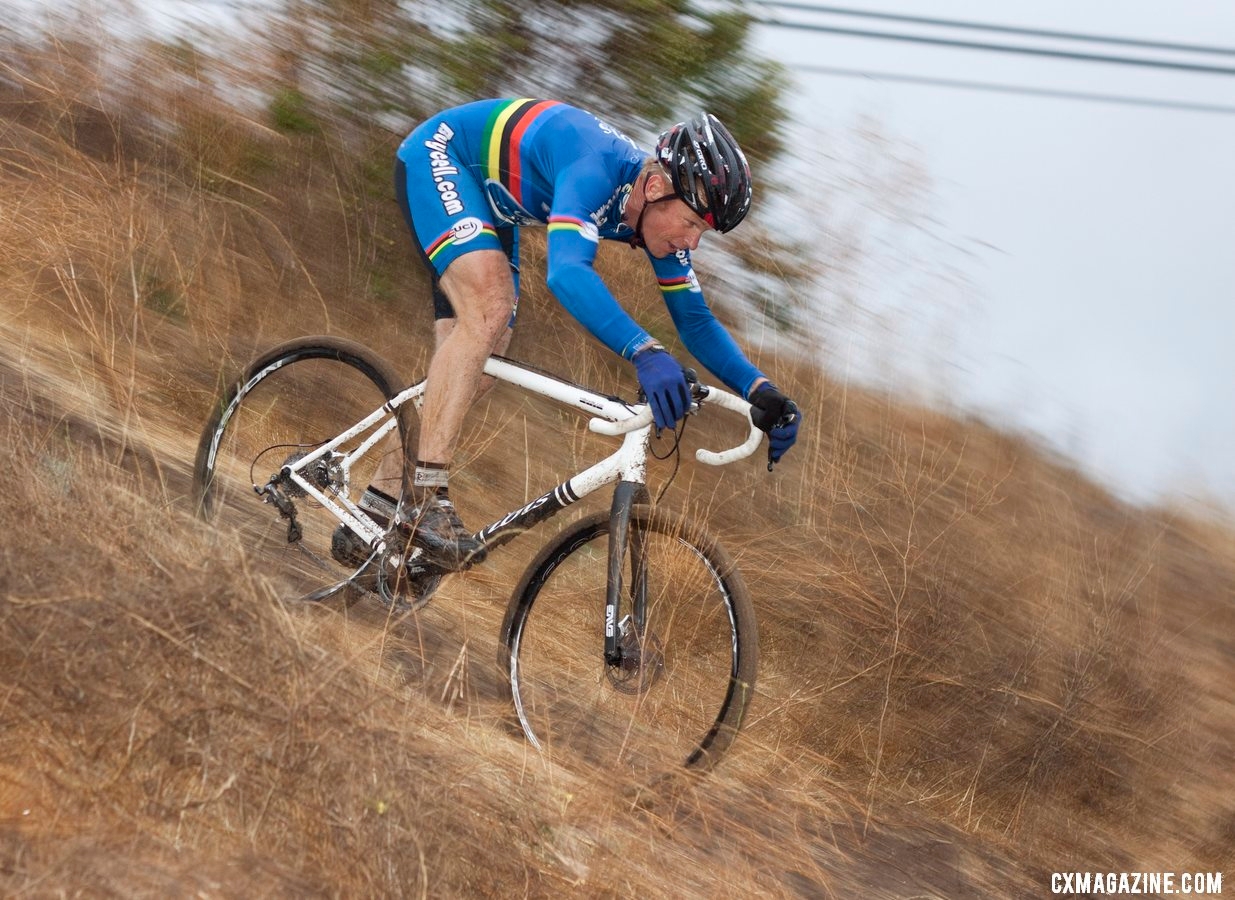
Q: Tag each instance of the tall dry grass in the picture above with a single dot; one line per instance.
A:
(977, 668)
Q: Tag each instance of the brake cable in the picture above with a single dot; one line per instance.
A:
(676, 452)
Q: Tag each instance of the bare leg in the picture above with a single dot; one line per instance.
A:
(481, 290)
(443, 327)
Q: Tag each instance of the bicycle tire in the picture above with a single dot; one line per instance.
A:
(687, 706)
(291, 398)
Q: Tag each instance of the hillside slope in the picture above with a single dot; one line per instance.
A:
(977, 668)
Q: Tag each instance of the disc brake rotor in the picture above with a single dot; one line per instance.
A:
(643, 661)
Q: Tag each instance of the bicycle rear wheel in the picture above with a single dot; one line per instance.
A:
(288, 402)
(689, 667)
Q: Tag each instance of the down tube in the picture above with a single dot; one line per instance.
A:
(513, 524)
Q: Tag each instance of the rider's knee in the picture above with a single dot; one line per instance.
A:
(492, 312)
(481, 291)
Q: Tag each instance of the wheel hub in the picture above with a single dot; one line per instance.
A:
(642, 663)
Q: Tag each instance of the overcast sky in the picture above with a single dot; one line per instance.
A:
(1078, 278)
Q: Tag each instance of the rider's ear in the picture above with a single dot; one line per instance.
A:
(657, 185)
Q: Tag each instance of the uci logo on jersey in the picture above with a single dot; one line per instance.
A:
(466, 229)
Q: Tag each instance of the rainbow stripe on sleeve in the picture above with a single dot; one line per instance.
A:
(575, 225)
(672, 285)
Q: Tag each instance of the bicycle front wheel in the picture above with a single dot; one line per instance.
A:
(286, 404)
(686, 629)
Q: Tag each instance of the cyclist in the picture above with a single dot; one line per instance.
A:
(467, 180)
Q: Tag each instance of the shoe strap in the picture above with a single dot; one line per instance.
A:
(409, 515)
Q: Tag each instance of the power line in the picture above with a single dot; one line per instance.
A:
(1001, 48)
(998, 29)
(1015, 89)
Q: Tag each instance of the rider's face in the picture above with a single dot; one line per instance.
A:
(671, 225)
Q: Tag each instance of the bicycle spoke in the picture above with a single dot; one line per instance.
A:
(662, 703)
(286, 406)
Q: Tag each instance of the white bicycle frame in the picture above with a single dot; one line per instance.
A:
(610, 416)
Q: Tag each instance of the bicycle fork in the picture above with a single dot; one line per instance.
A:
(631, 657)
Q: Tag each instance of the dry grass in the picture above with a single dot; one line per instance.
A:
(976, 667)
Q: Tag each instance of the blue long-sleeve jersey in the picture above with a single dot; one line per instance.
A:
(497, 164)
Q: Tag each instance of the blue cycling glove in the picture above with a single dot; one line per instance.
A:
(662, 379)
(776, 415)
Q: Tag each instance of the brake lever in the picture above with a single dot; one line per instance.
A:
(697, 392)
(791, 413)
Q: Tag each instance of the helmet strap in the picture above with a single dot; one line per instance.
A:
(636, 240)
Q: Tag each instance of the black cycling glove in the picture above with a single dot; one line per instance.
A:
(776, 415)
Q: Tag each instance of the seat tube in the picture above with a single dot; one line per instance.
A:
(625, 496)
